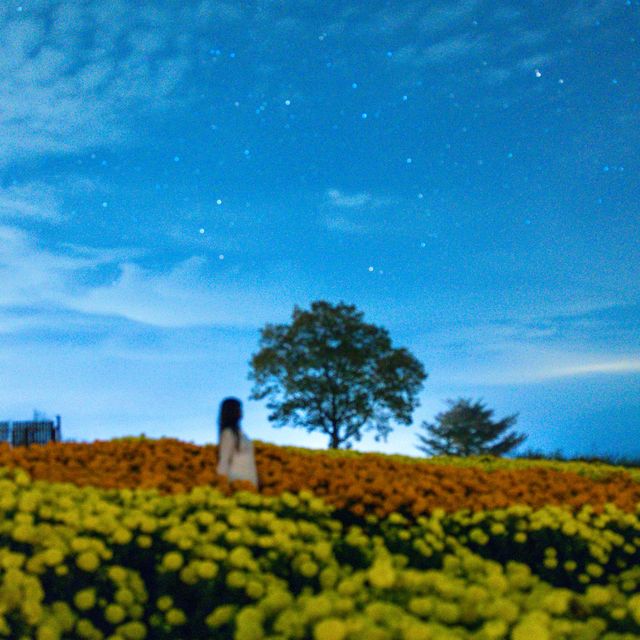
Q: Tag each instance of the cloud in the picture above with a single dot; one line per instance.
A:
(77, 76)
(358, 204)
(356, 200)
(344, 225)
(111, 283)
(588, 13)
(33, 200)
(627, 365)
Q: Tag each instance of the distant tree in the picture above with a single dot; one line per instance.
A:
(331, 372)
(466, 429)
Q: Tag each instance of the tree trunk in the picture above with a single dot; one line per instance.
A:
(335, 441)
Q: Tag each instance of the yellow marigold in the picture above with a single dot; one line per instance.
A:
(189, 574)
(421, 606)
(220, 616)
(634, 607)
(88, 561)
(175, 617)
(85, 599)
(65, 617)
(381, 575)
(172, 561)
(48, 631)
(114, 613)
(124, 597)
(533, 625)
(236, 579)
(52, 556)
(318, 606)
(207, 570)
(594, 569)
(597, 595)
(330, 629)
(122, 536)
(254, 589)
(416, 631)
(494, 629)
(133, 630)
(239, 557)
(308, 569)
(85, 629)
(117, 573)
(144, 541)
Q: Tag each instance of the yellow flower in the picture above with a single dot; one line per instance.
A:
(207, 570)
(124, 597)
(172, 561)
(381, 575)
(597, 595)
(634, 607)
(144, 541)
(88, 561)
(330, 629)
(85, 599)
(52, 557)
(308, 569)
(317, 607)
(122, 536)
(220, 616)
(85, 629)
(254, 589)
(164, 603)
(175, 617)
(133, 630)
(236, 579)
(114, 614)
(117, 573)
(48, 631)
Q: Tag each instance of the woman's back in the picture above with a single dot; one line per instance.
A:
(236, 460)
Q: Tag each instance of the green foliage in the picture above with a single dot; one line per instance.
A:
(331, 372)
(466, 429)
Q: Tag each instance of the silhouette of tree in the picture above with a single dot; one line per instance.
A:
(466, 429)
(331, 372)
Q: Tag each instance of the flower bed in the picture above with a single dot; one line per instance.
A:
(131, 563)
(360, 484)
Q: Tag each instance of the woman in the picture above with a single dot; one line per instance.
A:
(235, 451)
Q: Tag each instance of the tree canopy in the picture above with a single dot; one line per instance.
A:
(329, 371)
(467, 429)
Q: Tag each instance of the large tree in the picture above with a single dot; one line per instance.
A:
(331, 372)
(467, 429)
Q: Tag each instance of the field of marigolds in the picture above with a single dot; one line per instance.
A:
(139, 538)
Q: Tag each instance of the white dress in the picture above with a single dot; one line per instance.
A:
(233, 463)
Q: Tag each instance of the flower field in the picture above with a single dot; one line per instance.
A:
(138, 538)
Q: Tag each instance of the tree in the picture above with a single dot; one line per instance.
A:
(466, 429)
(331, 372)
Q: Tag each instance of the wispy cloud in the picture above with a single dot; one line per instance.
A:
(588, 13)
(513, 352)
(344, 225)
(354, 207)
(113, 282)
(627, 365)
(352, 201)
(33, 200)
(73, 75)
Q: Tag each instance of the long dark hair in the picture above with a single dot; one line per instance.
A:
(229, 418)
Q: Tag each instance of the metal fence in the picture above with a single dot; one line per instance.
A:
(27, 432)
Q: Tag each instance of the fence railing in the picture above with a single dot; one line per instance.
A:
(27, 432)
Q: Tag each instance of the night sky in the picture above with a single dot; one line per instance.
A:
(174, 175)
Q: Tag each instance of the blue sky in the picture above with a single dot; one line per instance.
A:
(175, 175)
